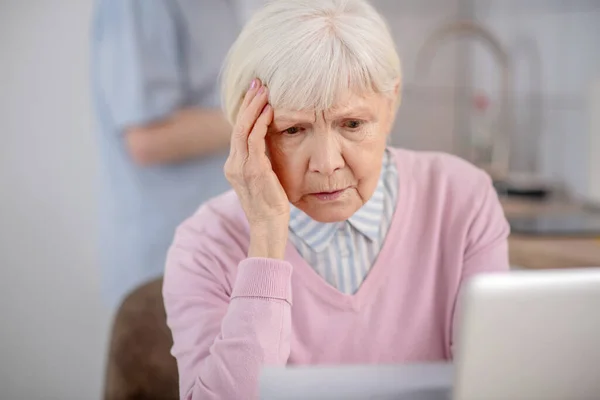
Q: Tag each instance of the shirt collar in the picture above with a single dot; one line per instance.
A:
(367, 220)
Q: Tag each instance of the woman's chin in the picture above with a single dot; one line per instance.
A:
(331, 212)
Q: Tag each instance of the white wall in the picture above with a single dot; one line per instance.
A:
(427, 118)
(593, 178)
(53, 325)
(565, 35)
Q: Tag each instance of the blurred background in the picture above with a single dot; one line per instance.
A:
(522, 74)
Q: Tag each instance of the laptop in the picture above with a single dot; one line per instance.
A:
(523, 335)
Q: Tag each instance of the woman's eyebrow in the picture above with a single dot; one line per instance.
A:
(293, 119)
(352, 112)
(360, 111)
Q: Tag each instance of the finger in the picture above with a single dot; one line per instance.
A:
(255, 85)
(247, 120)
(239, 137)
(256, 141)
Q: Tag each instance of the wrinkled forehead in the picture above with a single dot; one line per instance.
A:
(356, 105)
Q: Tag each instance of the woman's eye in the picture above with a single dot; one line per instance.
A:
(292, 131)
(352, 124)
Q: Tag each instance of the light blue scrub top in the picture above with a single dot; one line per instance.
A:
(150, 58)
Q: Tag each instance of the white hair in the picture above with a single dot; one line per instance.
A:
(310, 52)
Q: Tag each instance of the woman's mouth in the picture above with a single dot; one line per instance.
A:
(329, 196)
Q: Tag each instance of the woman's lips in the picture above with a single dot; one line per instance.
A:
(329, 196)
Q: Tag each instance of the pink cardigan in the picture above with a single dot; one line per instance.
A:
(230, 314)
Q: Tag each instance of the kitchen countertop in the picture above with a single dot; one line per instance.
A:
(533, 252)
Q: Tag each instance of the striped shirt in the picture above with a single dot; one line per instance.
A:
(343, 252)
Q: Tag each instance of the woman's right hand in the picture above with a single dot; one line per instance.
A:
(251, 175)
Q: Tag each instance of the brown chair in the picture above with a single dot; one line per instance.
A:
(139, 365)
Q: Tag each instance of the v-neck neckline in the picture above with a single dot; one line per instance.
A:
(379, 270)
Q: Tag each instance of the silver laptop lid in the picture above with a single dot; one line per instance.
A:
(530, 335)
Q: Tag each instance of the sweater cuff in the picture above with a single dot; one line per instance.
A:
(264, 277)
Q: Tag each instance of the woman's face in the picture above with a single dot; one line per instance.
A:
(329, 163)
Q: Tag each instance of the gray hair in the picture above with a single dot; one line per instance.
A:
(310, 52)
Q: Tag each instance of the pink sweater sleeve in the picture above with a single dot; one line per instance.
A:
(221, 339)
(486, 246)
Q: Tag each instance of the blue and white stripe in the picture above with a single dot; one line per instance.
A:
(344, 252)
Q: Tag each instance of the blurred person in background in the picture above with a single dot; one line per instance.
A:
(155, 68)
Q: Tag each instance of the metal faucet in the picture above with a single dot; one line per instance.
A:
(501, 141)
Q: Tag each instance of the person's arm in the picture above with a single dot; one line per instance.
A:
(224, 336)
(486, 245)
(144, 87)
(185, 134)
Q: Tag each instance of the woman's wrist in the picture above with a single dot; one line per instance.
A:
(266, 250)
(268, 240)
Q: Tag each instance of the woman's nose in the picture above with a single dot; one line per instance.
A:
(326, 155)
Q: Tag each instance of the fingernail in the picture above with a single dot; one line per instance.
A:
(266, 109)
(262, 90)
(253, 84)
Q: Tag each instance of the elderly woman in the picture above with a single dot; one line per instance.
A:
(332, 247)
